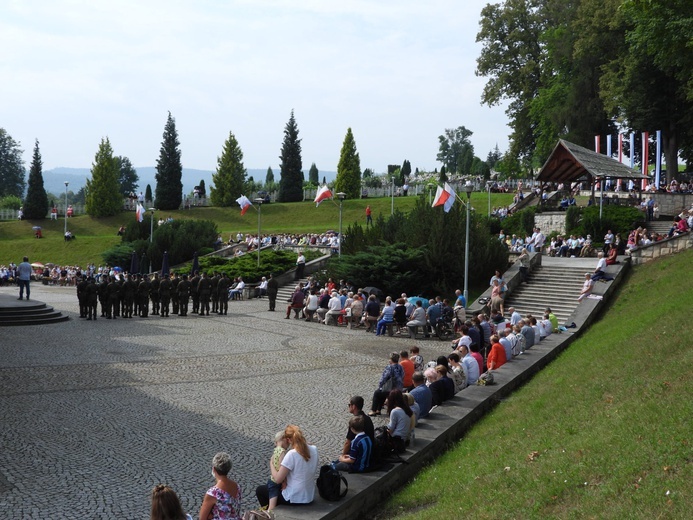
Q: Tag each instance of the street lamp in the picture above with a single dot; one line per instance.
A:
(341, 196)
(468, 188)
(259, 202)
(66, 184)
(151, 224)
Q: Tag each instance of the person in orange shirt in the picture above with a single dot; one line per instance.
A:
(496, 357)
(408, 366)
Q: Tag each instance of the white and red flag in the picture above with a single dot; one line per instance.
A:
(445, 197)
(139, 212)
(244, 203)
(323, 193)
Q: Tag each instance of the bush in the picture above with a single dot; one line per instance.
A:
(618, 219)
(10, 202)
(520, 223)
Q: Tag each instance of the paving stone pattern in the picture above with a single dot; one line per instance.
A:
(94, 414)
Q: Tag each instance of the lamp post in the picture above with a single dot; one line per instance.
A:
(259, 202)
(392, 193)
(66, 184)
(341, 196)
(151, 224)
(488, 187)
(468, 187)
(430, 187)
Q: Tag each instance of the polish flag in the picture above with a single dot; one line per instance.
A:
(445, 197)
(139, 213)
(244, 203)
(323, 193)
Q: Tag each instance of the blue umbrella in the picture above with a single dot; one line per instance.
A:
(143, 264)
(414, 299)
(164, 264)
(134, 264)
(195, 264)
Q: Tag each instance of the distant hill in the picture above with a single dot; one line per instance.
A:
(54, 180)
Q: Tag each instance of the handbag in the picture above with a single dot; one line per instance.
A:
(387, 386)
(258, 514)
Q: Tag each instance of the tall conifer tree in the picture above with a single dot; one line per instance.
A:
(313, 174)
(291, 182)
(229, 180)
(349, 168)
(169, 170)
(103, 197)
(36, 202)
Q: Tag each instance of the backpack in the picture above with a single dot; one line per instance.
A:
(329, 484)
(382, 446)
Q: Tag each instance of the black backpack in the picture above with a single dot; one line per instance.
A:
(329, 484)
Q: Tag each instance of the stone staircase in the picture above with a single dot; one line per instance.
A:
(557, 286)
(285, 291)
(659, 226)
(23, 312)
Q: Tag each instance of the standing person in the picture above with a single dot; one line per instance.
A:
(369, 218)
(297, 469)
(183, 292)
(300, 265)
(204, 291)
(524, 264)
(223, 500)
(24, 278)
(143, 296)
(165, 295)
(194, 281)
(175, 280)
(154, 294)
(272, 289)
(223, 293)
(92, 298)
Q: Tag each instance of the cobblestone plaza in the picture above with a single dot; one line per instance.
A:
(94, 414)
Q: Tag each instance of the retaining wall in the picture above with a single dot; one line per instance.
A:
(668, 246)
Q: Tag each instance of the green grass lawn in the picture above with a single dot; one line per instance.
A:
(97, 235)
(605, 431)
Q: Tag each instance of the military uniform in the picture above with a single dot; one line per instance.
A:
(82, 297)
(272, 289)
(143, 295)
(91, 296)
(183, 295)
(165, 295)
(215, 292)
(223, 290)
(204, 292)
(129, 290)
(195, 295)
(154, 293)
(174, 292)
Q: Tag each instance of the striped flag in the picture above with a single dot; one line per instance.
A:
(244, 203)
(139, 213)
(323, 193)
(445, 197)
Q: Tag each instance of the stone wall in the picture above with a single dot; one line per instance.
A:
(668, 246)
(671, 204)
(550, 221)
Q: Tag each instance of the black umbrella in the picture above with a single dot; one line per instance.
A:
(164, 264)
(374, 290)
(143, 264)
(134, 264)
(195, 264)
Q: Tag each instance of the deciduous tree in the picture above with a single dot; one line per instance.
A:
(455, 150)
(11, 167)
(128, 177)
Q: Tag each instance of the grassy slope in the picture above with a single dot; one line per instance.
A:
(610, 422)
(96, 235)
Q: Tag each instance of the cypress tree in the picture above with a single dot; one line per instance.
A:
(349, 168)
(313, 175)
(169, 170)
(103, 197)
(291, 166)
(229, 180)
(148, 194)
(36, 202)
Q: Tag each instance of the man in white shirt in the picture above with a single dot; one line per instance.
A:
(334, 309)
(515, 316)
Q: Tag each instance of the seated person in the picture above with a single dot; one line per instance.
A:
(417, 319)
(400, 313)
(334, 309)
(359, 457)
(587, 287)
(356, 310)
(386, 317)
(323, 304)
(422, 394)
(611, 257)
(261, 290)
(237, 292)
(372, 313)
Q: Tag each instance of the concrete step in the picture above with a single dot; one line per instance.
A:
(28, 313)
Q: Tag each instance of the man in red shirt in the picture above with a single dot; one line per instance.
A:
(408, 367)
(496, 357)
(369, 219)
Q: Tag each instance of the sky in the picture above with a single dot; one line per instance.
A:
(398, 73)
